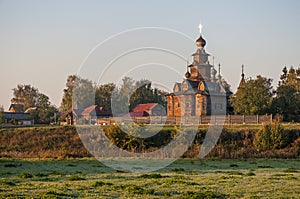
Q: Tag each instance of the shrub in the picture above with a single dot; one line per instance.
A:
(270, 136)
(101, 183)
(153, 175)
(75, 178)
(178, 170)
(25, 175)
(205, 194)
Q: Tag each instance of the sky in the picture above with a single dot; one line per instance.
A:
(42, 42)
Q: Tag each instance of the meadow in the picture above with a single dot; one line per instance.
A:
(185, 178)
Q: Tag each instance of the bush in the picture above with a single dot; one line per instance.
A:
(25, 175)
(152, 175)
(271, 136)
(75, 178)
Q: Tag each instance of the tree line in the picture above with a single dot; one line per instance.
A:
(257, 96)
(254, 96)
(81, 93)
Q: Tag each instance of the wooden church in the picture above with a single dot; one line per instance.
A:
(193, 96)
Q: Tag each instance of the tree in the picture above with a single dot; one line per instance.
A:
(26, 95)
(103, 95)
(35, 103)
(78, 94)
(270, 136)
(287, 100)
(44, 112)
(143, 93)
(253, 97)
(132, 92)
(1, 115)
(121, 96)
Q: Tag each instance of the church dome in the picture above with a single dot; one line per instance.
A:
(187, 74)
(200, 42)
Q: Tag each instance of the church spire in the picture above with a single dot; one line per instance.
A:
(243, 77)
(219, 72)
(187, 74)
(200, 42)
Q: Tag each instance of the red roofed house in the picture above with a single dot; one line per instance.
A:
(149, 109)
(94, 112)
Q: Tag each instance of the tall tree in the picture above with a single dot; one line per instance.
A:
(26, 95)
(1, 115)
(121, 97)
(103, 95)
(143, 93)
(132, 92)
(44, 112)
(287, 100)
(36, 103)
(253, 97)
(78, 94)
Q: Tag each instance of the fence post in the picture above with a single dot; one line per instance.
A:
(243, 119)
(229, 119)
(257, 119)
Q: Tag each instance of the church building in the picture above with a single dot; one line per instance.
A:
(193, 96)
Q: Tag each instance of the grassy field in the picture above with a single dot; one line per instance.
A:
(185, 178)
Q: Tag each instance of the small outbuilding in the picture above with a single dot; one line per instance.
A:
(149, 109)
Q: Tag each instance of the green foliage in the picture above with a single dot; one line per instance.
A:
(253, 97)
(270, 137)
(43, 113)
(101, 183)
(291, 170)
(144, 93)
(137, 190)
(103, 95)
(287, 100)
(203, 195)
(25, 175)
(26, 95)
(133, 92)
(54, 194)
(64, 142)
(152, 175)
(8, 183)
(1, 115)
(105, 182)
(35, 103)
(78, 94)
(75, 178)
(178, 170)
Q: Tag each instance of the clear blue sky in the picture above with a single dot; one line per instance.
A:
(42, 42)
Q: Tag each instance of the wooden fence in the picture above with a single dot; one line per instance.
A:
(189, 120)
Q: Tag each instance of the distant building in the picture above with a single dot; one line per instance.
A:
(16, 108)
(94, 112)
(71, 118)
(192, 97)
(16, 115)
(149, 109)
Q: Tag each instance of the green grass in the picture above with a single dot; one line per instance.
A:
(185, 178)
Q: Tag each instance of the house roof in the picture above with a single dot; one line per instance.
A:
(136, 114)
(144, 107)
(17, 116)
(88, 110)
(18, 108)
(95, 110)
